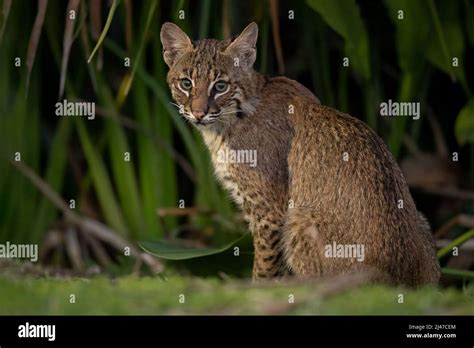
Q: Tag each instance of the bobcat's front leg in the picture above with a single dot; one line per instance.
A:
(269, 259)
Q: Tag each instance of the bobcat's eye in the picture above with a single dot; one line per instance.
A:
(186, 84)
(220, 86)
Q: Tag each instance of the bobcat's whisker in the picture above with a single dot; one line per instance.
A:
(177, 105)
(230, 112)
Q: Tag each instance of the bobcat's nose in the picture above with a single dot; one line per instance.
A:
(199, 114)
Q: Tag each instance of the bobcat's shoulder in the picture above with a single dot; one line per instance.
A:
(291, 87)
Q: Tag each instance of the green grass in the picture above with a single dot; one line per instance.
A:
(154, 296)
(85, 160)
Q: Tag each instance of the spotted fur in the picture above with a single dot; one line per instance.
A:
(301, 195)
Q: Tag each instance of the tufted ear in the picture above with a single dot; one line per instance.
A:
(243, 47)
(175, 43)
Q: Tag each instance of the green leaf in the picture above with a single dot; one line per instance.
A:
(428, 31)
(449, 40)
(55, 175)
(101, 181)
(457, 273)
(141, 47)
(148, 168)
(171, 250)
(344, 18)
(464, 127)
(204, 20)
(122, 171)
(469, 21)
(407, 92)
(412, 31)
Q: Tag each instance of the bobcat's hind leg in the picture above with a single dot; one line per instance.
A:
(302, 251)
(306, 239)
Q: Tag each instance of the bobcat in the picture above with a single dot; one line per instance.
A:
(323, 182)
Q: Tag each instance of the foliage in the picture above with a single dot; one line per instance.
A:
(344, 18)
(465, 124)
(84, 160)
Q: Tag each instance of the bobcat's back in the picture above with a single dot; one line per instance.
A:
(348, 190)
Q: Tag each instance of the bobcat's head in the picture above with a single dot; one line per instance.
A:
(210, 80)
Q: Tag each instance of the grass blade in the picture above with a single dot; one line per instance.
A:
(54, 177)
(100, 178)
(442, 39)
(455, 243)
(397, 130)
(458, 273)
(34, 38)
(122, 169)
(95, 10)
(67, 42)
(151, 183)
(7, 4)
(86, 48)
(276, 35)
(105, 30)
(129, 80)
(128, 24)
(204, 20)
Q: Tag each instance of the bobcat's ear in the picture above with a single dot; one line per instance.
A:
(243, 47)
(175, 42)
